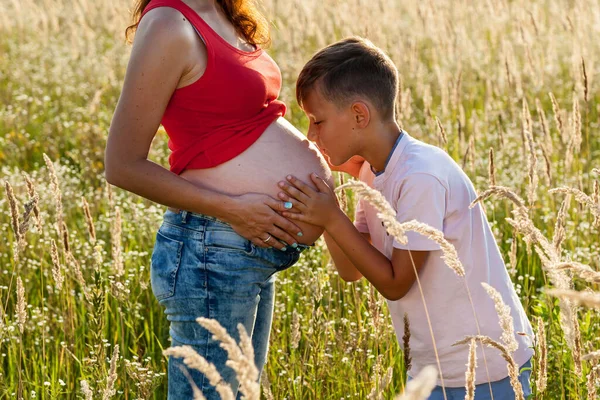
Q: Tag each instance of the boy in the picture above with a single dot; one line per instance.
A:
(348, 91)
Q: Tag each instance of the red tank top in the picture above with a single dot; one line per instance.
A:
(224, 112)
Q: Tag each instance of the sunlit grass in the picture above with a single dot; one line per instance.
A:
(470, 65)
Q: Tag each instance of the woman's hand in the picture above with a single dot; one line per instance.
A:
(314, 207)
(255, 217)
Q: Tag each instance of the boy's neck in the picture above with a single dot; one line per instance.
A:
(380, 143)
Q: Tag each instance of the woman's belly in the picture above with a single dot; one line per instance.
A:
(280, 151)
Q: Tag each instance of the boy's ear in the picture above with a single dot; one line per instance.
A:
(361, 114)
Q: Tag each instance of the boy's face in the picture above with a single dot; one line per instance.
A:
(330, 127)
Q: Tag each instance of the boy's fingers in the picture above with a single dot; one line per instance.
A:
(278, 205)
(304, 188)
(296, 205)
(294, 192)
(320, 183)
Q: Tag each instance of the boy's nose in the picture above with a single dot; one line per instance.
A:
(311, 135)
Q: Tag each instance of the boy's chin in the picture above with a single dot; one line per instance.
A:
(331, 161)
(337, 162)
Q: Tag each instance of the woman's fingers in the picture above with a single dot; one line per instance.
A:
(279, 234)
(260, 243)
(296, 216)
(287, 226)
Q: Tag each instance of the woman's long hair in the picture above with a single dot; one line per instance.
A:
(243, 14)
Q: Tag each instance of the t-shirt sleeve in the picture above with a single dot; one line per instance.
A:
(360, 219)
(422, 197)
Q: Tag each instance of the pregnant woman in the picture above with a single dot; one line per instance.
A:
(197, 67)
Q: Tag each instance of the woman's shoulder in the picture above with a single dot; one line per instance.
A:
(166, 25)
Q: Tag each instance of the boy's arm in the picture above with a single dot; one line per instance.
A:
(393, 279)
(345, 268)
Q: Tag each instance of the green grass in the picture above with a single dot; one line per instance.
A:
(58, 96)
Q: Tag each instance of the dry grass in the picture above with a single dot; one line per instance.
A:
(469, 71)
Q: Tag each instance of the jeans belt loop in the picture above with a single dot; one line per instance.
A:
(184, 214)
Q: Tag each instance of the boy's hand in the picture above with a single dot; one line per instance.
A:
(314, 207)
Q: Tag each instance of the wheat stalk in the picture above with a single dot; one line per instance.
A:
(502, 192)
(86, 390)
(406, 343)
(421, 386)
(542, 373)
(505, 319)
(195, 390)
(581, 197)
(56, 193)
(33, 194)
(89, 221)
(577, 349)
(242, 363)
(513, 368)
(491, 168)
(295, 335)
(591, 356)
(115, 236)
(266, 385)
(557, 117)
(442, 131)
(387, 215)
(559, 228)
(14, 213)
(194, 360)
(110, 390)
(583, 271)
(21, 305)
(532, 167)
(56, 269)
(470, 373)
(544, 126)
(591, 300)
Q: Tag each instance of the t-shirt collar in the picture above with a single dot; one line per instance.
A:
(387, 161)
(392, 162)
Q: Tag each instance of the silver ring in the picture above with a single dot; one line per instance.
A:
(267, 239)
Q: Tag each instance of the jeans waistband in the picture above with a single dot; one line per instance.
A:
(202, 222)
(192, 218)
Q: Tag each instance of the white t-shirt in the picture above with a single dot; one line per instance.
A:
(423, 182)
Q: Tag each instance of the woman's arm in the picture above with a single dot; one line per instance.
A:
(159, 59)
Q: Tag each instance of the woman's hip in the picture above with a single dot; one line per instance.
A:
(195, 256)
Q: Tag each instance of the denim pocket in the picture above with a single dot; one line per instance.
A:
(228, 241)
(164, 264)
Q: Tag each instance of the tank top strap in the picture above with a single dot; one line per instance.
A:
(204, 30)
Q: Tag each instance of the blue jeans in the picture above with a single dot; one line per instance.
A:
(501, 389)
(200, 267)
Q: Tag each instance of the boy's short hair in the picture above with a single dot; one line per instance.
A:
(350, 67)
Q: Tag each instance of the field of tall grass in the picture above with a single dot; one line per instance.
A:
(507, 88)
